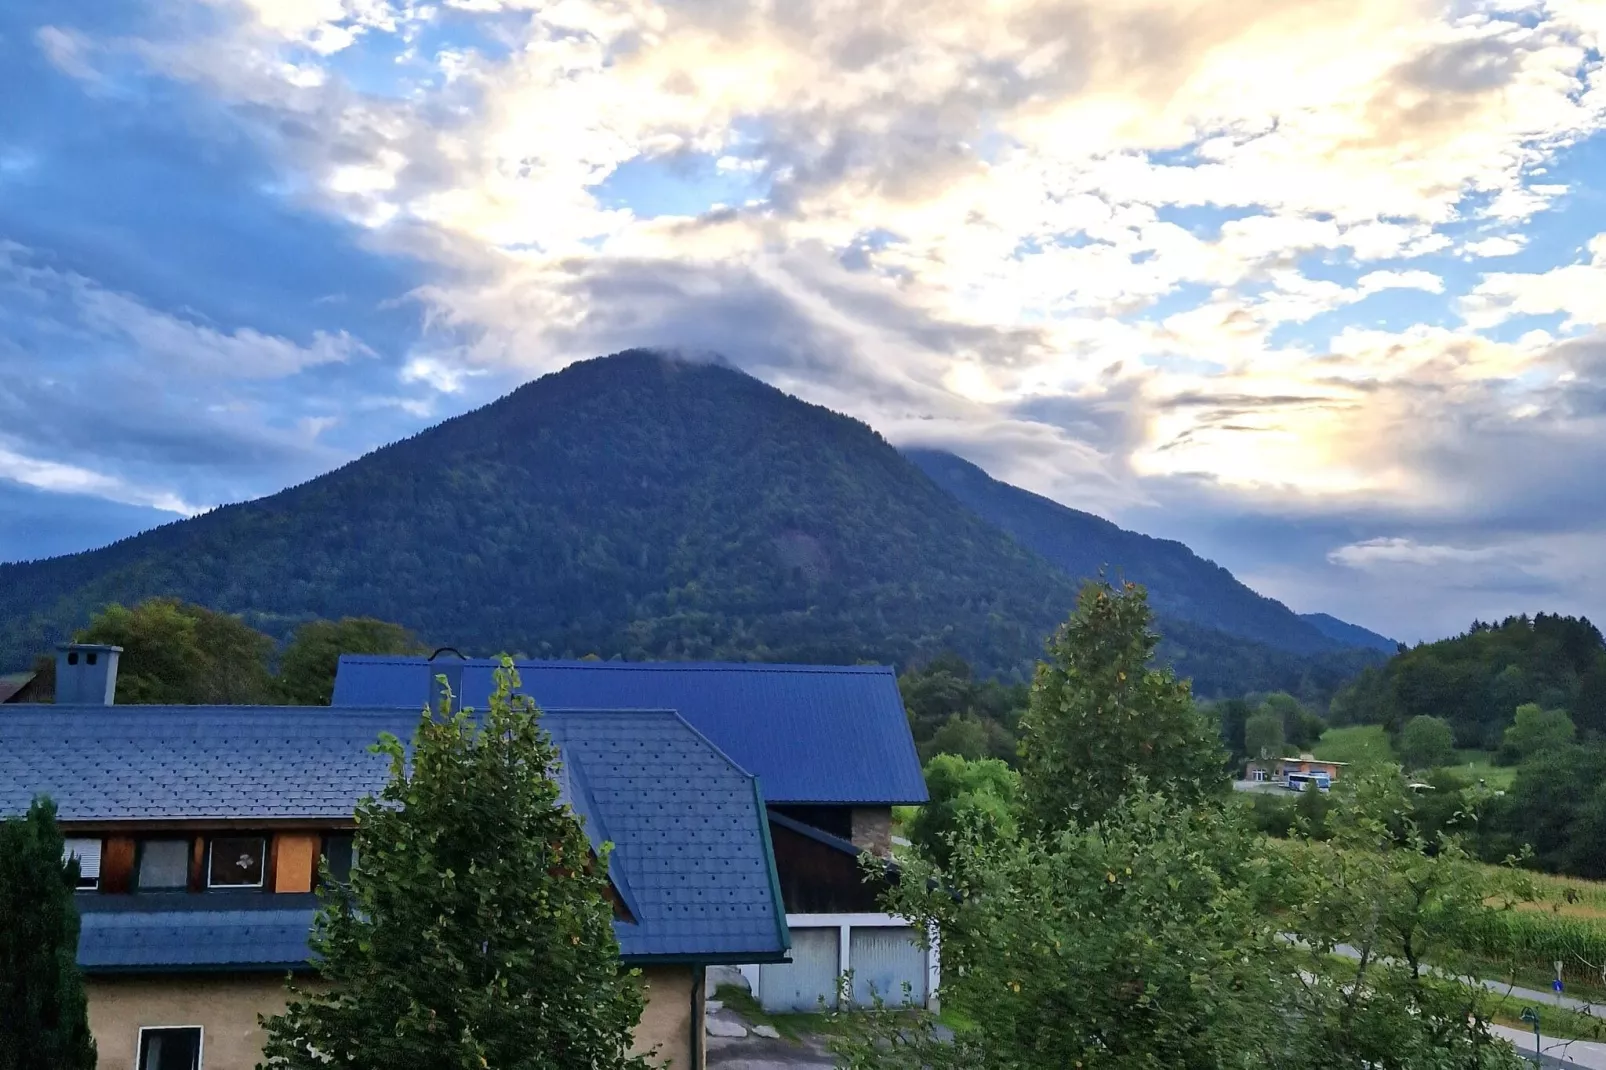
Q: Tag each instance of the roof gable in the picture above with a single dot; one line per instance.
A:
(813, 734)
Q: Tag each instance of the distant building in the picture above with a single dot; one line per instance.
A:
(1295, 774)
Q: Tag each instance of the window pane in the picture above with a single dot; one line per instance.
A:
(339, 853)
(164, 864)
(88, 854)
(170, 1049)
(236, 862)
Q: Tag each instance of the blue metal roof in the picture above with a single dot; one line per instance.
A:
(813, 734)
(691, 857)
(175, 931)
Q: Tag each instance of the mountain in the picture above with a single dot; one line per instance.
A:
(1350, 634)
(633, 505)
(1181, 583)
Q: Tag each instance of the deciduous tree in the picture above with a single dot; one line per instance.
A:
(475, 931)
(1102, 716)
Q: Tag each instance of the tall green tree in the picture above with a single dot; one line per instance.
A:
(476, 930)
(309, 661)
(1263, 735)
(176, 652)
(1426, 742)
(1535, 729)
(1102, 716)
(982, 796)
(44, 1018)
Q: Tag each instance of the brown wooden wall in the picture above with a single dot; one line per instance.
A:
(817, 879)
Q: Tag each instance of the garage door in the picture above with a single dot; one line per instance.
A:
(799, 985)
(883, 961)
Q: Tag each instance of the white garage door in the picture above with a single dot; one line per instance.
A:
(883, 961)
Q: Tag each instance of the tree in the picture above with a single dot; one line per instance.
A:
(309, 661)
(1263, 735)
(1152, 930)
(44, 1018)
(1589, 708)
(981, 796)
(1101, 717)
(1233, 717)
(1535, 730)
(1391, 898)
(175, 652)
(1426, 742)
(476, 931)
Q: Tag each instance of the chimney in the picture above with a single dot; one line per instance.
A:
(452, 669)
(86, 674)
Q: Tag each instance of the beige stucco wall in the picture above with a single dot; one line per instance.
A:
(667, 1022)
(226, 1008)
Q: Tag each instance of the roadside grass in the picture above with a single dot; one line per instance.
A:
(1553, 1021)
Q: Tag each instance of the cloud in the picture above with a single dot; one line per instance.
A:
(65, 478)
(1576, 291)
(1385, 552)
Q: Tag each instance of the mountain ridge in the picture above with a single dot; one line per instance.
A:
(632, 505)
(1180, 582)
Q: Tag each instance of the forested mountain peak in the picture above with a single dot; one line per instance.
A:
(637, 505)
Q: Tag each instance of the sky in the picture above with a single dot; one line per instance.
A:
(1318, 288)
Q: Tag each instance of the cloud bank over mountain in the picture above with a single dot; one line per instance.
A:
(1319, 289)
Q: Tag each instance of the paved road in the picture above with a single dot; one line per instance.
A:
(1576, 1053)
(757, 1053)
(1530, 995)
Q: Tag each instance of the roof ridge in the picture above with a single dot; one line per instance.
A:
(660, 666)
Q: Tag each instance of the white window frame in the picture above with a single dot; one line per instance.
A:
(211, 843)
(200, 1044)
(68, 852)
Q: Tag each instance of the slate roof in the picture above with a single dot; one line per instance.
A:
(692, 859)
(813, 734)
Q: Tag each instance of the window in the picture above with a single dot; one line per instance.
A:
(340, 855)
(88, 854)
(236, 861)
(170, 1048)
(164, 865)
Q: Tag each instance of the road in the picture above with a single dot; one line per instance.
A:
(1557, 1052)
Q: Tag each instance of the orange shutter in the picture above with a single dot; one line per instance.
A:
(297, 861)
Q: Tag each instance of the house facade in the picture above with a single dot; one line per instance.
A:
(832, 751)
(200, 831)
(1295, 774)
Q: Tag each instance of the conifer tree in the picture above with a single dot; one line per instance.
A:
(475, 931)
(44, 1020)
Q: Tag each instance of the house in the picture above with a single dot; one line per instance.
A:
(1295, 774)
(831, 747)
(199, 830)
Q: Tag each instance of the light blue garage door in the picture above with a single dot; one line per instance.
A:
(799, 985)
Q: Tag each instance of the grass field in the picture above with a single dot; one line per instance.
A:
(1359, 745)
(1478, 765)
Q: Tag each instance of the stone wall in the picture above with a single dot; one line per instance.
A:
(872, 830)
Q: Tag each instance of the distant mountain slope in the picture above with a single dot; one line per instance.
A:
(1181, 583)
(1351, 634)
(631, 505)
